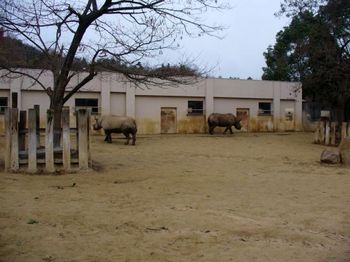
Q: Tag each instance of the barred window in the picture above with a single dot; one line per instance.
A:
(265, 109)
(82, 103)
(195, 107)
(3, 104)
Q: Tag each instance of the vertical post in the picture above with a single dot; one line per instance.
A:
(66, 139)
(37, 120)
(88, 136)
(348, 128)
(343, 130)
(77, 129)
(333, 131)
(83, 139)
(14, 140)
(322, 133)
(8, 126)
(317, 134)
(327, 138)
(21, 130)
(49, 156)
(32, 141)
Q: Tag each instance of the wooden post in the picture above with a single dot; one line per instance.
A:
(88, 136)
(49, 156)
(348, 128)
(83, 139)
(77, 129)
(14, 140)
(8, 126)
(317, 134)
(66, 140)
(322, 132)
(37, 120)
(333, 131)
(22, 130)
(327, 138)
(32, 141)
(343, 130)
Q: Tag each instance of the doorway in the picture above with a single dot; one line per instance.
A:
(168, 120)
(243, 113)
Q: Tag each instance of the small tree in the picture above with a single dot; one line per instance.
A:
(125, 31)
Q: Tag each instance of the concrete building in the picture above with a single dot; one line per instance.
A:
(263, 105)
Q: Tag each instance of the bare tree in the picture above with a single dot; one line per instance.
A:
(126, 31)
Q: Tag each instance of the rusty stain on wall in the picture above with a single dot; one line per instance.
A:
(147, 126)
(192, 125)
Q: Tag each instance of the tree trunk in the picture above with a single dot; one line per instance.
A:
(57, 126)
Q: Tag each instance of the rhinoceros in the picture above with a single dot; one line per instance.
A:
(223, 120)
(117, 124)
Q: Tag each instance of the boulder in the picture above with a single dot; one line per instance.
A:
(330, 157)
(344, 151)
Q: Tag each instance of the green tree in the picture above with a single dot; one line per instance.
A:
(314, 49)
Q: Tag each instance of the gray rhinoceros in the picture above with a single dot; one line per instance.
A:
(223, 120)
(117, 124)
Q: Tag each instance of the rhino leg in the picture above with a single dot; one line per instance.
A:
(108, 138)
(211, 129)
(133, 138)
(126, 134)
(228, 128)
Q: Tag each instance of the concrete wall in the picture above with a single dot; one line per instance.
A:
(117, 96)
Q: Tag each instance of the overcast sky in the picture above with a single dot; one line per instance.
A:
(252, 26)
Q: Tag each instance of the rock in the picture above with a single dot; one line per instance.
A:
(344, 151)
(330, 157)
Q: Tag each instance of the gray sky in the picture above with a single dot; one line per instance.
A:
(252, 26)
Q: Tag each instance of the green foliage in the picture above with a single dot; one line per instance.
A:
(314, 49)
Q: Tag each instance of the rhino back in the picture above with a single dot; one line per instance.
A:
(109, 122)
(221, 119)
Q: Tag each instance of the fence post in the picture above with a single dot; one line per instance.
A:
(83, 139)
(343, 130)
(327, 139)
(22, 130)
(8, 126)
(32, 141)
(333, 131)
(14, 140)
(348, 128)
(49, 156)
(66, 140)
(317, 134)
(37, 121)
(322, 133)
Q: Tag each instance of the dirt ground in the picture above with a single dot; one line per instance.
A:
(241, 197)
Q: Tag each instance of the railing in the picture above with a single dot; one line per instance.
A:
(27, 152)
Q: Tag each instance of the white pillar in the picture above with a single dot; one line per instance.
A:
(276, 105)
(209, 96)
(130, 100)
(106, 96)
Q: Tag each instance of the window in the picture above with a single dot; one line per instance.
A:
(91, 103)
(3, 104)
(195, 108)
(265, 109)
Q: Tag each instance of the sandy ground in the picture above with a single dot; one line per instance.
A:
(246, 197)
